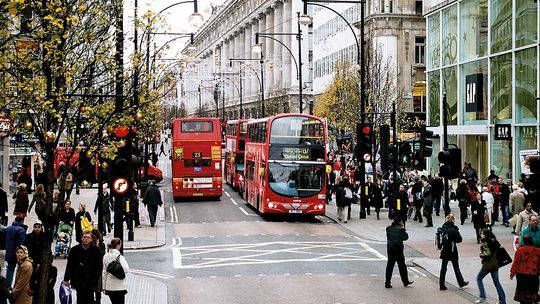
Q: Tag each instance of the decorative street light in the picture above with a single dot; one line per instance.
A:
(260, 79)
(306, 19)
(257, 48)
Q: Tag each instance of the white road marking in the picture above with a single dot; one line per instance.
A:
(417, 271)
(245, 212)
(259, 253)
(151, 274)
(234, 202)
(171, 214)
(227, 194)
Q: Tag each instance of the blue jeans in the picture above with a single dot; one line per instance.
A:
(495, 276)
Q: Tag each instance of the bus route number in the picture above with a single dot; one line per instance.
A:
(197, 154)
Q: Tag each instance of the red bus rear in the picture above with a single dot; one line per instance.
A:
(235, 142)
(285, 164)
(196, 158)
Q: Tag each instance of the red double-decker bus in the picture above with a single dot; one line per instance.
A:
(196, 158)
(235, 143)
(285, 164)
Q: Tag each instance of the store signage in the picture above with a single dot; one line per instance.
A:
(6, 126)
(474, 93)
(503, 132)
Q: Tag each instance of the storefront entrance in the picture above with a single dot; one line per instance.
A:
(475, 151)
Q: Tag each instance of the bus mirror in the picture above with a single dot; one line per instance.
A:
(328, 169)
(261, 172)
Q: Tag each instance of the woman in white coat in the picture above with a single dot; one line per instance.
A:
(115, 288)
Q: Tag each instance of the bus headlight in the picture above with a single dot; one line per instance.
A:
(271, 205)
(321, 206)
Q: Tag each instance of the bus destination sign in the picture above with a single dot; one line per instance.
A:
(296, 154)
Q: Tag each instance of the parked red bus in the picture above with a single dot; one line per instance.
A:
(285, 164)
(235, 142)
(196, 158)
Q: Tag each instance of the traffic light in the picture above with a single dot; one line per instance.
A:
(426, 144)
(364, 134)
(384, 151)
(405, 154)
(122, 166)
(450, 161)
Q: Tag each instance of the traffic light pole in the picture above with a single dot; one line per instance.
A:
(445, 140)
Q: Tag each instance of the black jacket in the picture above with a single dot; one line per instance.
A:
(3, 202)
(395, 235)
(449, 250)
(152, 196)
(35, 244)
(437, 187)
(84, 267)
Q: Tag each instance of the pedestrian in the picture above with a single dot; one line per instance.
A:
(523, 218)
(377, 197)
(437, 187)
(114, 287)
(517, 204)
(532, 230)
(134, 207)
(67, 214)
(489, 198)
(400, 204)
(525, 268)
(64, 182)
(15, 236)
(504, 197)
(83, 269)
(427, 201)
(462, 196)
(478, 209)
(21, 201)
(35, 242)
(82, 213)
(40, 201)
(4, 290)
(41, 177)
(341, 202)
(162, 150)
(26, 179)
(152, 200)
(488, 250)
(449, 252)
(368, 192)
(97, 240)
(418, 200)
(22, 292)
(106, 208)
(395, 235)
(3, 209)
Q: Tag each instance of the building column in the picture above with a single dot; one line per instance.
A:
(269, 78)
(285, 55)
(277, 74)
(247, 54)
(254, 29)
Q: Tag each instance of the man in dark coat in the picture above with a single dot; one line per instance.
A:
(504, 200)
(395, 235)
(152, 200)
(437, 187)
(15, 235)
(418, 200)
(449, 252)
(400, 209)
(427, 202)
(3, 206)
(83, 269)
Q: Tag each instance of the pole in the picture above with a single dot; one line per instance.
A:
(445, 139)
(262, 87)
(394, 140)
(360, 61)
(241, 101)
(119, 105)
(299, 38)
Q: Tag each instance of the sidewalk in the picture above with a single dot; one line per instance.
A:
(423, 253)
(141, 289)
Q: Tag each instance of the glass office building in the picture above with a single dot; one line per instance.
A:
(483, 56)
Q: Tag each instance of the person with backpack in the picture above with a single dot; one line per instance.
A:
(448, 237)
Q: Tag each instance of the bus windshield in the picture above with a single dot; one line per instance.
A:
(197, 126)
(294, 130)
(295, 179)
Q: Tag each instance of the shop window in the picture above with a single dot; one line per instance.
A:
(419, 50)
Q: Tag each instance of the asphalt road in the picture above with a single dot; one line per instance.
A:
(224, 252)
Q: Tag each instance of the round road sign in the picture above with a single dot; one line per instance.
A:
(120, 185)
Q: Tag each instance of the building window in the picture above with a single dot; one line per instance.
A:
(391, 6)
(382, 6)
(419, 50)
(419, 7)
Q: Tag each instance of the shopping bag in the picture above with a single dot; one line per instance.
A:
(65, 294)
(86, 225)
(161, 214)
(143, 213)
(516, 242)
(503, 258)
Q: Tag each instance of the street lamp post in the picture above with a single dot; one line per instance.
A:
(257, 48)
(306, 19)
(260, 79)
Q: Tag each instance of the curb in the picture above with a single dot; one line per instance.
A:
(145, 247)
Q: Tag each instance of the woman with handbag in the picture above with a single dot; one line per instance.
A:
(478, 209)
(525, 269)
(488, 250)
(114, 287)
(82, 222)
